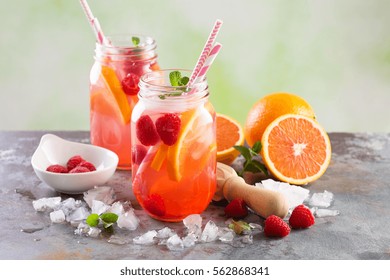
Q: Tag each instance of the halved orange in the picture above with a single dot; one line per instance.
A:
(268, 108)
(115, 87)
(296, 149)
(229, 134)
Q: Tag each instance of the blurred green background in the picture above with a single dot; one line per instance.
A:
(335, 54)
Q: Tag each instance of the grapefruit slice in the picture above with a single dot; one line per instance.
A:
(115, 88)
(296, 149)
(229, 134)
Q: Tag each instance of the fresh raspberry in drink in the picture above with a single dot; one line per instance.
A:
(138, 153)
(130, 84)
(155, 205)
(57, 168)
(146, 131)
(168, 128)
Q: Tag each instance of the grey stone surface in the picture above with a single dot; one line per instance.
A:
(359, 177)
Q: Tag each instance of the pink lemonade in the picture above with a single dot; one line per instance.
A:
(173, 148)
(114, 87)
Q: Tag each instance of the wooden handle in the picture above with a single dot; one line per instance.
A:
(263, 202)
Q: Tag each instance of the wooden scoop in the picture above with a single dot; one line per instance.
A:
(263, 202)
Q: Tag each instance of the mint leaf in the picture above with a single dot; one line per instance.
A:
(135, 41)
(245, 152)
(174, 78)
(251, 164)
(239, 226)
(109, 217)
(93, 220)
(184, 81)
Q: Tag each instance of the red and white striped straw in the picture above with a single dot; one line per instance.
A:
(94, 23)
(209, 61)
(206, 50)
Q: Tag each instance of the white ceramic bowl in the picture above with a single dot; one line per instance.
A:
(55, 150)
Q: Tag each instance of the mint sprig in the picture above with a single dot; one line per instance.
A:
(135, 41)
(177, 80)
(251, 163)
(107, 219)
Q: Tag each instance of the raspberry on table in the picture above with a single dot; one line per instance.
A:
(57, 168)
(146, 131)
(275, 227)
(301, 217)
(168, 128)
(236, 208)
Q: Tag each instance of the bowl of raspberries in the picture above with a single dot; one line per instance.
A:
(71, 167)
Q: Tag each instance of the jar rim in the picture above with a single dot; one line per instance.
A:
(151, 86)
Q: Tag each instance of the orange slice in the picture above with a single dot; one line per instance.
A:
(115, 87)
(159, 157)
(229, 134)
(193, 146)
(296, 149)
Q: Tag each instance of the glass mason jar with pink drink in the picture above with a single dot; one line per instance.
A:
(173, 146)
(114, 79)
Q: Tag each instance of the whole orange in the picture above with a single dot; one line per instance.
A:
(268, 108)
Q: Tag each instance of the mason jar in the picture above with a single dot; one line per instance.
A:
(114, 79)
(173, 138)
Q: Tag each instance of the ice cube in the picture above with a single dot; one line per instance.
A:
(94, 232)
(226, 235)
(193, 223)
(189, 240)
(247, 239)
(82, 229)
(77, 215)
(116, 208)
(128, 220)
(57, 216)
(174, 243)
(321, 213)
(165, 233)
(99, 207)
(45, 203)
(256, 226)
(323, 199)
(210, 232)
(146, 238)
(104, 194)
(294, 195)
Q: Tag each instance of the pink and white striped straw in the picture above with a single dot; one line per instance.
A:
(206, 65)
(94, 23)
(206, 50)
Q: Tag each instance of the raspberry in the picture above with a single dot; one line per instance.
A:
(56, 168)
(88, 165)
(168, 128)
(276, 227)
(138, 152)
(301, 217)
(79, 169)
(236, 208)
(146, 131)
(154, 204)
(130, 84)
(74, 161)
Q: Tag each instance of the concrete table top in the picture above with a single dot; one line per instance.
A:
(358, 176)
